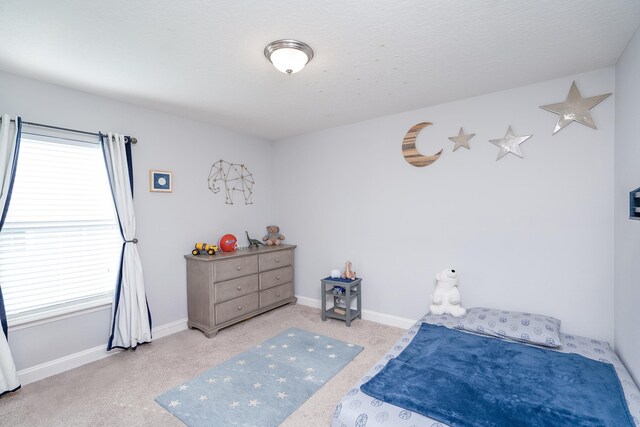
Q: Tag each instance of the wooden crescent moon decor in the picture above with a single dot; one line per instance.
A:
(411, 153)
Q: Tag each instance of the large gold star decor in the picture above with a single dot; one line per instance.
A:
(462, 140)
(575, 108)
(510, 144)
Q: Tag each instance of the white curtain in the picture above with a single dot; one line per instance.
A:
(9, 146)
(131, 320)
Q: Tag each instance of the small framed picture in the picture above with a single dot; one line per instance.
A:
(160, 181)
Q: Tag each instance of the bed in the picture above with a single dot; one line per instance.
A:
(361, 410)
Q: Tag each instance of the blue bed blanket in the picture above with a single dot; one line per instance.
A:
(463, 379)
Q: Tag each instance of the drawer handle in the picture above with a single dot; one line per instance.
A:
(278, 294)
(239, 288)
(277, 260)
(239, 307)
(277, 277)
(238, 268)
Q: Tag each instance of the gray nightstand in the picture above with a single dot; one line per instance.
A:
(352, 290)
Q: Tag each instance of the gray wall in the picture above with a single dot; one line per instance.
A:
(168, 224)
(532, 234)
(627, 232)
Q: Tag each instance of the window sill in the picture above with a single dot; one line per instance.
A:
(24, 321)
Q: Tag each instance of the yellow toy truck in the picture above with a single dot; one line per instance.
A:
(205, 247)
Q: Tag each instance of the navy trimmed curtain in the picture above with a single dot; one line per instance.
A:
(130, 315)
(9, 148)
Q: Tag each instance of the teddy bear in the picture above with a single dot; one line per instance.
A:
(446, 297)
(273, 236)
(348, 272)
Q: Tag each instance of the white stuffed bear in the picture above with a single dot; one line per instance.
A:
(446, 297)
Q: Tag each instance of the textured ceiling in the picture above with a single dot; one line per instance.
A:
(203, 59)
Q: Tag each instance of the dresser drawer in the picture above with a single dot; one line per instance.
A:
(276, 294)
(236, 307)
(277, 277)
(237, 267)
(236, 288)
(275, 260)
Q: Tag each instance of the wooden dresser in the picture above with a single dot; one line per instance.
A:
(229, 287)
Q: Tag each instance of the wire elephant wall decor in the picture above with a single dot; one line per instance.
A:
(234, 177)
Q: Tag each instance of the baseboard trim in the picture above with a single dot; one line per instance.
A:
(53, 367)
(374, 316)
(309, 302)
(169, 328)
(62, 364)
(57, 366)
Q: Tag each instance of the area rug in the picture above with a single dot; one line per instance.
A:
(263, 385)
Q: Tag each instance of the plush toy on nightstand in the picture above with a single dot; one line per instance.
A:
(446, 297)
(348, 272)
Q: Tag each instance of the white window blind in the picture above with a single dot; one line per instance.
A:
(60, 244)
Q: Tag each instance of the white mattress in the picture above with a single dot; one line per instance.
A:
(357, 409)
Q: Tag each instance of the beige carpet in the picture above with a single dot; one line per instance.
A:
(120, 389)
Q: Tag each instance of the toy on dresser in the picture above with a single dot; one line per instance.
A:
(273, 236)
(253, 242)
(228, 243)
(206, 248)
(446, 297)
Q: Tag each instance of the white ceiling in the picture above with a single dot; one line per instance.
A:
(203, 59)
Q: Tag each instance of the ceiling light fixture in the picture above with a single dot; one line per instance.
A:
(288, 56)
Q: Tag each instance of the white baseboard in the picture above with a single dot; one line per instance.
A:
(169, 328)
(309, 302)
(53, 367)
(374, 316)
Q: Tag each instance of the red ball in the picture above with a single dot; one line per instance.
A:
(228, 243)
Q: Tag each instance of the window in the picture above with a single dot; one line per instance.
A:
(60, 244)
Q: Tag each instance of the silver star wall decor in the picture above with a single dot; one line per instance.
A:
(575, 108)
(510, 144)
(462, 140)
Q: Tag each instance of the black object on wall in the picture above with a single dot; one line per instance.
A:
(634, 204)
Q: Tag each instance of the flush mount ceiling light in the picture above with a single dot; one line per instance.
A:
(288, 56)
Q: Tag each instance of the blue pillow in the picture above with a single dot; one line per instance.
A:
(512, 325)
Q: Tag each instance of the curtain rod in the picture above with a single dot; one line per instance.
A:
(128, 138)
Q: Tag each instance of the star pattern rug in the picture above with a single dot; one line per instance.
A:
(263, 385)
